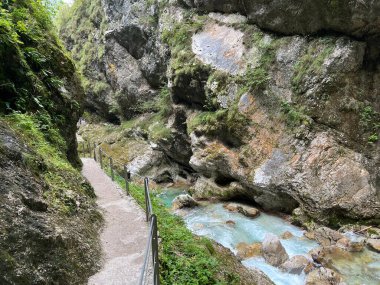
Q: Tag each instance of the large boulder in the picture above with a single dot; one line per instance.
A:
(325, 255)
(326, 236)
(246, 210)
(184, 201)
(273, 251)
(323, 276)
(296, 264)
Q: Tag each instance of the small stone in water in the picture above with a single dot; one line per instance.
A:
(245, 250)
(230, 223)
(287, 235)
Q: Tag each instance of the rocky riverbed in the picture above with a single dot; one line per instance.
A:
(286, 253)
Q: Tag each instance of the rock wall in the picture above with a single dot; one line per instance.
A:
(49, 221)
(276, 102)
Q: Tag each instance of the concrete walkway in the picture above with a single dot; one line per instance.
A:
(125, 233)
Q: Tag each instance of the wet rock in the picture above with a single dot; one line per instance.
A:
(299, 217)
(325, 255)
(273, 251)
(323, 276)
(286, 235)
(184, 201)
(206, 188)
(309, 267)
(374, 244)
(326, 236)
(352, 246)
(245, 250)
(295, 265)
(230, 223)
(355, 246)
(247, 211)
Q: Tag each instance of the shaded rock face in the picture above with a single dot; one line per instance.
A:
(38, 244)
(356, 18)
(273, 251)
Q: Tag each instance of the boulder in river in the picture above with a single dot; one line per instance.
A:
(245, 250)
(273, 251)
(323, 276)
(295, 265)
(247, 211)
(326, 236)
(374, 244)
(184, 201)
(324, 255)
(349, 245)
(286, 235)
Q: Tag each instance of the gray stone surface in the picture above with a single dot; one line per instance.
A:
(357, 18)
(273, 251)
(220, 46)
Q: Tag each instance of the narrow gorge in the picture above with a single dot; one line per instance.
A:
(257, 122)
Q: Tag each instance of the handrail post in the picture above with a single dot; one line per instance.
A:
(156, 275)
(89, 148)
(127, 176)
(95, 151)
(146, 183)
(111, 167)
(101, 157)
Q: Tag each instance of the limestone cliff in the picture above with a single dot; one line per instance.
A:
(49, 222)
(276, 102)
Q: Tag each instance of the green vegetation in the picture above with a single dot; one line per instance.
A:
(294, 116)
(311, 62)
(256, 78)
(228, 125)
(82, 26)
(49, 162)
(56, 237)
(184, 258)
(36, 76)
(370, 123)
(28, 80)
(183, 62)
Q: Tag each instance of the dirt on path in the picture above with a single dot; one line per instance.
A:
(125, 232)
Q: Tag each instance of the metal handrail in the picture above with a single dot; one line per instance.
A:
(152, 243)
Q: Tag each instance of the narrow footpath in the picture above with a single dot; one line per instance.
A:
(125, 233)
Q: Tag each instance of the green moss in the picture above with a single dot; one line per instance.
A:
(76, 26)
(295, 116)
(49, 162)
(311, 62)
(228, 125)
(256, 77)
